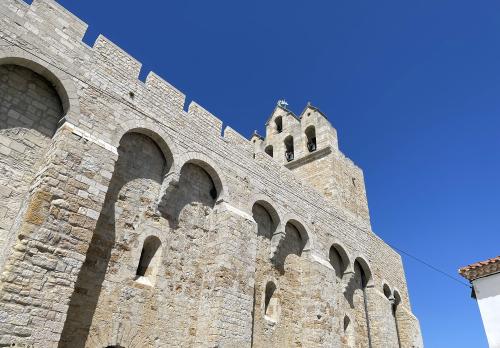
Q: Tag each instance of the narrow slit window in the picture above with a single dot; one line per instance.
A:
(347, 322)
(148, 262)
(271, 303)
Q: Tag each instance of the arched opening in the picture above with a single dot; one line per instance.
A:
(30, 110)
(271, 303)
(362, 279)
(289, 151)
(149, 259)
(278, 123)
(339, 260)
(269, 150)
(132, 192)
(311, 138)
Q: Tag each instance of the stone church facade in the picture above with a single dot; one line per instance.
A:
(128, 220)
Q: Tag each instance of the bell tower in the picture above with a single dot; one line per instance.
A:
(307, 145)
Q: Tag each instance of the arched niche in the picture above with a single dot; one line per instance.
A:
(212, 169)
(266, 217)
(33, 101)
(197, 182)
(152, 130)
(294, 241)
(62, 82)
(339, 259)
(362, 266)
(131, 196)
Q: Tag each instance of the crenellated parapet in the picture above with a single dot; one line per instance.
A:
(104, 66)
(129, 218)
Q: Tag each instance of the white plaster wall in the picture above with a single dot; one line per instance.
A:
(488, 297)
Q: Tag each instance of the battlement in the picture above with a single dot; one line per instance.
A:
(45, 14)
(306, 144)
(115, 190)
(109, 64)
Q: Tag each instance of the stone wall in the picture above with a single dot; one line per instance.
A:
(29, 114)
(136, 223)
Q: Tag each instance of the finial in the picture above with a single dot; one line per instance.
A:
(282, 103)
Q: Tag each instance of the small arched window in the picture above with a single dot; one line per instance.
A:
(271, 303)
(348, 339)
(269, 150)
(311, 138)
(347, 322)
(278, 122)
(149, 260)
(289, 152)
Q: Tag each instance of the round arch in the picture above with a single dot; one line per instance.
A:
(365, 267)
(269, 205)
(346, 260)
(61, 81)
(166, 145)
(210, 167)
(302, 228)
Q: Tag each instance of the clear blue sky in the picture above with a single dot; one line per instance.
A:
(413, 88)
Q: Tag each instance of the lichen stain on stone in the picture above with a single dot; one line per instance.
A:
(38, 208)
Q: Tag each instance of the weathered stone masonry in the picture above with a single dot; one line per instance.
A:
(126, 221)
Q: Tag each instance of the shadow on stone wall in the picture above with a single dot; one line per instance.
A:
(195, 187)
(292, 244)
(30, 110)
(135, 162)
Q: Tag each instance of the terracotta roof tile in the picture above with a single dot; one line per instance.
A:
(481, 269)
